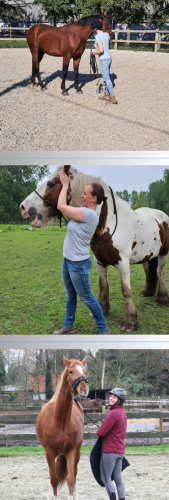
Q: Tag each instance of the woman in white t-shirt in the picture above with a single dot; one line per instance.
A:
(76, 265)
(102, 45)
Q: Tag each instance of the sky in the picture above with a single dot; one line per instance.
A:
(119, 178)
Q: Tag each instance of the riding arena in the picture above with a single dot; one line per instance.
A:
(64, 115)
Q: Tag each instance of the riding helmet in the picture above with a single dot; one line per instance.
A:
(96, 24)
(120, 393)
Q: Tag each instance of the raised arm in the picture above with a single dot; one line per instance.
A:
(70, 212)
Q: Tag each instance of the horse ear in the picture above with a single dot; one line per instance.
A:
(84, 361)
(66, 361)
(66, 169)
(105, 13)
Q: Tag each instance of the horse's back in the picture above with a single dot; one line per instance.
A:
(153, 212)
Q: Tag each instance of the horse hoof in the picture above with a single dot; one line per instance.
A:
(65, 92)
(43, 87)
(79, 91)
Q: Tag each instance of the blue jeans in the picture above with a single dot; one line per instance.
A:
(76, 279)
(105, 71)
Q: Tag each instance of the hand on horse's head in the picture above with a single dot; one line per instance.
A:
(64, 179)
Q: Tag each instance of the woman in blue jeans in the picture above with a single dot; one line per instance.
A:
(102, 45)
(77, 263)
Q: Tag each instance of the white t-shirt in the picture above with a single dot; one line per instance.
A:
(79, 235)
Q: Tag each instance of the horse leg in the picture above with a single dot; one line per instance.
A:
(162, 294)
(53, 478)
(129, 323)
(75, 494)
(71, 478)
(37, 56)
(66, 60)
(76, 74)
(150, 269)
(103, 297)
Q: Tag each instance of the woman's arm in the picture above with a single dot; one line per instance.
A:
(99, 50)
(70, 212)
(107, 424)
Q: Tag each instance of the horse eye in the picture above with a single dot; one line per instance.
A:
(50, 184)
(70, 372)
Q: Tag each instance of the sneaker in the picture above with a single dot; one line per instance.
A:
(65, 330)
(105, 333)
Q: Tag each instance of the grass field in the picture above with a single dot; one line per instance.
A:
(20, 44)
(38, 450)
(32, 297)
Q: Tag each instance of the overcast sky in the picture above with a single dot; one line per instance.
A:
(119, 178)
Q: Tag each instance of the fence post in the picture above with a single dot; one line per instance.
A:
(156, 41)
(159, 40)
(103, 409)
(128, 36)
(161, 424)
(115, 39)
(10, 33)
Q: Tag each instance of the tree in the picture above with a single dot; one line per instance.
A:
(157, 196)
(158, 13)
(124, 195)
(166, 188)
(2, 370)
(12, 12)
(48, 379)
(141, 200)
(133, 198)
(16, 183)
(57, 10)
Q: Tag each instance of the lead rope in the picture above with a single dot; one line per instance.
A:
(84, 413)
(94, 69)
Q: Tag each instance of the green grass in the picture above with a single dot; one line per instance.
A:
(21, 44)
(32, 296)
(16, 451)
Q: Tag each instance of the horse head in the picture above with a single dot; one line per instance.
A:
(43, 201)
(106, 24)
(76, 376)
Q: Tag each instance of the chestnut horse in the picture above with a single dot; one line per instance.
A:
(130, 237)
(60, 428)
(68, 41)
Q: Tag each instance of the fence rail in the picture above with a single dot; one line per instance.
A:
(141, 416)
(157, 42)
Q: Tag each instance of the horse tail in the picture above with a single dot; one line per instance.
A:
(153, 264)
(61, 469)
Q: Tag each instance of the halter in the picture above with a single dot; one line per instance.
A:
(60, 215)
(76, 383)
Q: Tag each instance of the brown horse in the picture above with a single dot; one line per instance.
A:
(60, 428)
(67, 41)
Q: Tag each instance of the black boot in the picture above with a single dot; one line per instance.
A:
(112, 496)
(122, 498)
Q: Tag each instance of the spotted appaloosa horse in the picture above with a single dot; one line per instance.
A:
(140, 237)
(68, 41)
(60, 428)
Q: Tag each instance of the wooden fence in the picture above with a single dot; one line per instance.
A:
(135, 414)
(157, 42)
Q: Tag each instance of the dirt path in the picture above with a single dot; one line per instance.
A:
(27, 478)
(32, 119)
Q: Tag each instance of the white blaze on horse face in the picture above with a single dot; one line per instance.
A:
(33, 200)
(80, 369)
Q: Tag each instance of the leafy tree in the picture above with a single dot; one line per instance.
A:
(166, 189)
(124, 195)
(157, 196)
(12, 12)
(158, 13)
(133, 198)
(57, 10)
(141, 200)
(16, 183)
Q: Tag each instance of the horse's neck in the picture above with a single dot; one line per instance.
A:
(85, 31)
(63, 404)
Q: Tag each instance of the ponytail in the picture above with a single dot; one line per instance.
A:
(98, 191)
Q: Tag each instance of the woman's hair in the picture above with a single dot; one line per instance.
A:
(97, 190)
(96, 24)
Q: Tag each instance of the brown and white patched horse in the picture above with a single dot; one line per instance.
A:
(140, 237)
(60, 428)
(68, 41)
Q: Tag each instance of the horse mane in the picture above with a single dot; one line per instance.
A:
(56, 394)
(84, 21)
(81, 181)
